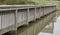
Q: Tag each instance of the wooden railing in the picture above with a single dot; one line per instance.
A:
(13, 16)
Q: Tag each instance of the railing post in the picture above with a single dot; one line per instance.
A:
(15, 21)
(39, 12)
(1, 24)
(27, 16)
(43, 11)
(55, 8)
(35, 12)
(16, 18)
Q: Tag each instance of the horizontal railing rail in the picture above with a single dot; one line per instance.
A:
(20, 6)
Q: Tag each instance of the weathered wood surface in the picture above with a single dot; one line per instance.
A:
(11, 18)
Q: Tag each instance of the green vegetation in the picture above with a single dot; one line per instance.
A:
(10, 2)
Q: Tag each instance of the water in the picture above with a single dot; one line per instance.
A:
(57, 26)
(48, 29)
(54, 26)
(43, 33)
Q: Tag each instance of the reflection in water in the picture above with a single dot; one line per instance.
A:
(57, 26)
(56, 30)
(49, 29)
(43, 33)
